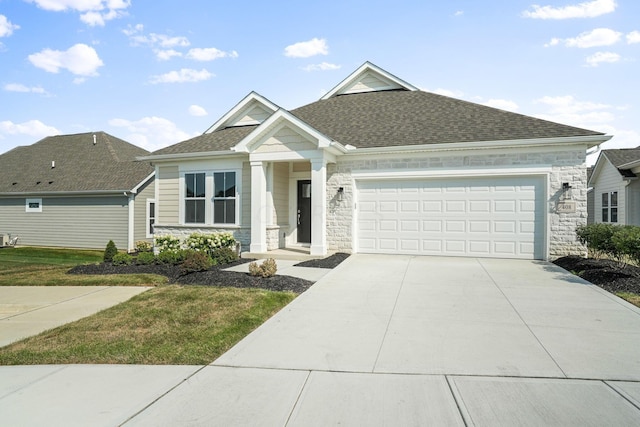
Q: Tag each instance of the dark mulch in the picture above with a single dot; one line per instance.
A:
(212, 277)
(609, 275)
(329, 262)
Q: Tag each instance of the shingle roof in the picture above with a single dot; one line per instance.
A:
(398, 118)
(109, 165)
(221, 140)
(393, 118)
(622, 156)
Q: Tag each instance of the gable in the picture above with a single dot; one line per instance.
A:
(368, 78)
(285, 139)
(254, 109)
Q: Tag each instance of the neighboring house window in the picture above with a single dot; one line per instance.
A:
(610, 207)
(33, 205)
(224, 198)
(151, 216)
(194, 200)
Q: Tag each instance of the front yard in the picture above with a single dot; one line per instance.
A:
(170, 324)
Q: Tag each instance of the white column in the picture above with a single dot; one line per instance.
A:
(318, 207)
(258, 208)
(269, 168)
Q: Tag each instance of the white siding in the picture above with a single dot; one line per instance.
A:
(281, 194)
(148, 191)
(632, 213)
(284, 140)
(370, 82)
(256, 114)
(607, 181)
(75, 222)
(167, 205)
(246, 195)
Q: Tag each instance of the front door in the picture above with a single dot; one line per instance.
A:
(304, 211)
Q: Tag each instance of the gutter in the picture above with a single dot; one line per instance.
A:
(68, 193)
(188, 156)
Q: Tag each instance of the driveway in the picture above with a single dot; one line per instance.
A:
(402, 340)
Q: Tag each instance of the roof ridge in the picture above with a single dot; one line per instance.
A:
(112, 150)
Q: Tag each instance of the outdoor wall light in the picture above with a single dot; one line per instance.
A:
(340, 195)
(566, 191)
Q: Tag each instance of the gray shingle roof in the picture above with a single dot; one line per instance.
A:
(109, 165)
(398, 118)
(622, 156)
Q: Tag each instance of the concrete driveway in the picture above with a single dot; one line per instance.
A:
(401, 340)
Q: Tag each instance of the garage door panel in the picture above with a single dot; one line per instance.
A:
(492, 217)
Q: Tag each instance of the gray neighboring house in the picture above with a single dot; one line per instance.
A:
(77, 191)
(379, 166)
(615, 187)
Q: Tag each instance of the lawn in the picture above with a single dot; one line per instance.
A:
(169, 324)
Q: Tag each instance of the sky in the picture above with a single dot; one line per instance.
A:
(158, 72)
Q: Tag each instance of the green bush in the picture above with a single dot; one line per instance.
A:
(223, 256)
(599, 238)
(626, 241)
(145, 258)
(122, 259)
(167, 243)
(110, 251)
(268, 268)
(143, 246)
(171, 257)
(208, 243)
(196, 261)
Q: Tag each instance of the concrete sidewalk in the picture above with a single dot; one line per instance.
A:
(29, 310)
(387, 340)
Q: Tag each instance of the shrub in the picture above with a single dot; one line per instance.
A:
(167, 243)
(224, 256)
(268, 268)
(208, 243)
(122, 259)
(626, 241)
(143, 246)
(110, 251)
(145, 258)
(196, 261)
(598, 238)
(171, 257)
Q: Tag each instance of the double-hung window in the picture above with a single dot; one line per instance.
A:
(195, 198)
(610, 207)
(224, 197)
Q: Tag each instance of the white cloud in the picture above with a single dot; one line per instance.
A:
(165, 55)
(184, 75)
(17, 87)
(6, 27)
(324, 66)
(137, 38)
(197, 111)
(33, 128)
(93, 12)
(80, 59)
(503, 104)
(602, 57)
(459, 13)
(594, 38)
(633, 37)
(306, 49)
(210, 54)
(622, 138)
(588, 9)
(568, 110)
(151, 133)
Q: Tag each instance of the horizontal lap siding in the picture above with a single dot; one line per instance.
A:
(76, 222)
(140, 211)
(167, 205)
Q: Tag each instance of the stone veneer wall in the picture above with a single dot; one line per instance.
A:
(567, 166)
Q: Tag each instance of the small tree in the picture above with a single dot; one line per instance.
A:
(110, 251)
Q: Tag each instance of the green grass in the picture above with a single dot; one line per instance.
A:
(630, 297)
(167, 325)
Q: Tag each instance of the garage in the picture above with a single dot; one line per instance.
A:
(495, 217)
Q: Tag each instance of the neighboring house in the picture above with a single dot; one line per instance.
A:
(77, 191)
(378, 166)
(616, 189)
(590, 198)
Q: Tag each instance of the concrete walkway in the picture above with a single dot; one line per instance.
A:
(383, 340)
(29, 310)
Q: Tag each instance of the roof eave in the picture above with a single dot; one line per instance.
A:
(66, 193)
(188, 156)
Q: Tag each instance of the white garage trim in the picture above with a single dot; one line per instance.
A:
(497, 182)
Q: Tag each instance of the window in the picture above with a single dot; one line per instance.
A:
(610, 207)
(33, 205)
(224, 198)
(151, 216)
(194, 200)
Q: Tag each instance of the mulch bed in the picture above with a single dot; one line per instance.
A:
(609, 275)
(215, 276)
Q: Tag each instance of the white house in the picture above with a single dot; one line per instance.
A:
(378, 166)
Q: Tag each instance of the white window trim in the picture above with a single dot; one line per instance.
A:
(148, 217)
(237, 198)
(209, 187)
(30, 209)
(609, 207)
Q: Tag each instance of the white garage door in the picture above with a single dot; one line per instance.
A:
(483, 217)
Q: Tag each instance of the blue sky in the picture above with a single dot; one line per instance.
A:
(158, 72)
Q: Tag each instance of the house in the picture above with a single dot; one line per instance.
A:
(616, 190)
(378, 166)
(77, 191)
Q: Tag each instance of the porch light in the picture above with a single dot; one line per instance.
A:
(340, 195)
(566, 191)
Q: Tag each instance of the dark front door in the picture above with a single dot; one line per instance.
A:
(304, 211)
